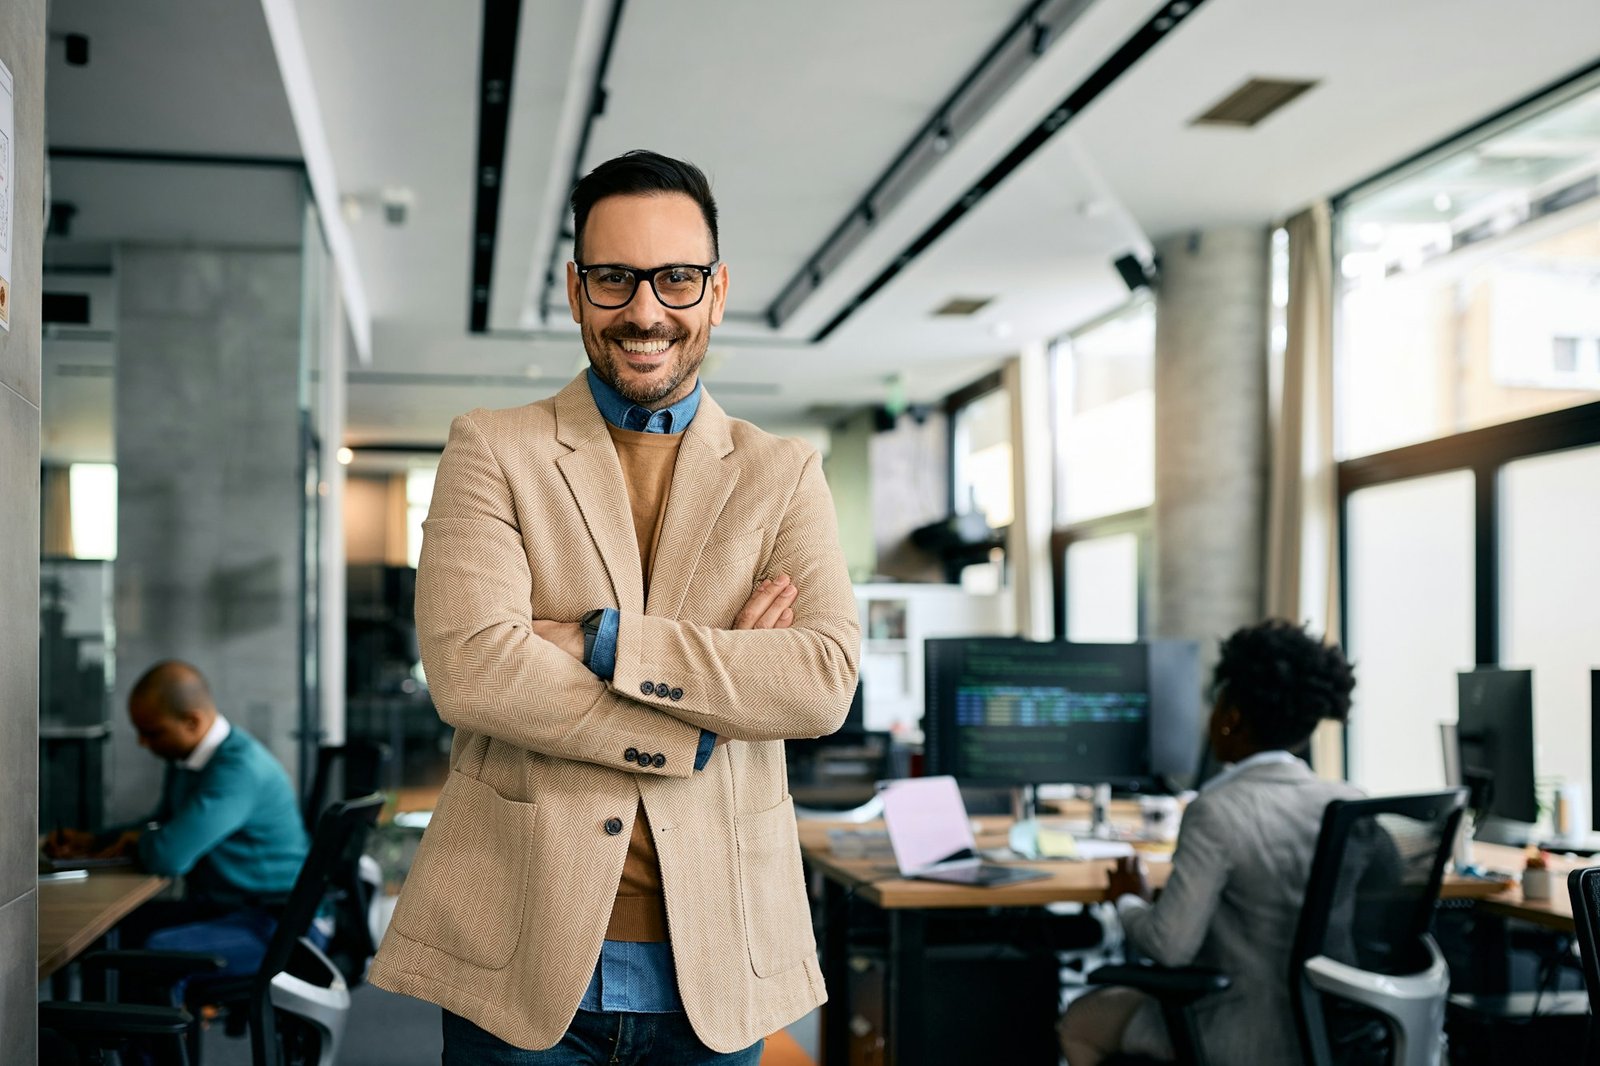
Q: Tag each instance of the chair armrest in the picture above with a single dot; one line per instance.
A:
(112, 1020)
(1180, 984)
(166, 967)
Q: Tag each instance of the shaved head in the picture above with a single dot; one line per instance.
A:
(171, 707)
(174, 687)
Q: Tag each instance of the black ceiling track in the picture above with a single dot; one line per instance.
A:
(496, 64)
(1163, 22)
(597, 107)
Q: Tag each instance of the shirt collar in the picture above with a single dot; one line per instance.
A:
(623, 413)
(201, 755)
(1260, 758)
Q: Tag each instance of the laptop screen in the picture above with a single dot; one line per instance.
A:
(927, 822)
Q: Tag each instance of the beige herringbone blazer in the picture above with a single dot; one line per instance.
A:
(503, 914)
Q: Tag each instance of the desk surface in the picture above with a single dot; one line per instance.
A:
(879, 883)
(74, 914)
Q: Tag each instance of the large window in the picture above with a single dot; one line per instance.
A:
(1471, 282)
(1105, 417)
(1104, 377)
(1468, 347)
(980, 458)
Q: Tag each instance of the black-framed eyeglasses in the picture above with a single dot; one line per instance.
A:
(677, 285)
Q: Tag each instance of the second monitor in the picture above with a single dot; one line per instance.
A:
(1006, 711)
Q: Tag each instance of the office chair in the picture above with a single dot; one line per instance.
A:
(1367, 983)
(295, 1005)
(1583, 887)
(358, 885)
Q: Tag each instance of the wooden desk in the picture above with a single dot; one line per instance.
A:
(906, 902)
(75, 914)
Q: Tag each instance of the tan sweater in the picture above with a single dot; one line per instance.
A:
(648, 459)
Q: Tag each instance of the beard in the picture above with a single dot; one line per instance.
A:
(611, 362)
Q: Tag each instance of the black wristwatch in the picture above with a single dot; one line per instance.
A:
(591, 630)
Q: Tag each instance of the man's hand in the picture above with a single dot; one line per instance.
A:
(1128, 879)
(568, 636)
(770, 606)
(126, 844)
(68, 844)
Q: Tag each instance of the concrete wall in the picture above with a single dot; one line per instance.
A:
(1211, 434)
(210, 491)
(22, 40)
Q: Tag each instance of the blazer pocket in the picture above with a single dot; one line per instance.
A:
(468, 884)
(777, 915)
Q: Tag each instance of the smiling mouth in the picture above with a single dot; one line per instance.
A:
(645, 348)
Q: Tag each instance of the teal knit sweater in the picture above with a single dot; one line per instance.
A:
(233, 829)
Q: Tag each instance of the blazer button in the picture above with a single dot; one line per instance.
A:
(631, 754)
(676, 694)
(613, 826)
(662, 690)
(659, 761)
(643, 759)
(646, 688)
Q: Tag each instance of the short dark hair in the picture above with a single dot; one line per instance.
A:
(641, 173)
(1283, 681)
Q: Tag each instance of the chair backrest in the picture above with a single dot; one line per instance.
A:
(1371, 893)
(359, 762)
(339, 832)
(1583, 886)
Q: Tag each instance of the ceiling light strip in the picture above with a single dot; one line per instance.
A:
(496, 64)
(1006, 60)
(1133, 49)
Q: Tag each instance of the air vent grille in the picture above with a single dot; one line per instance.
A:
(960, 306)
(1253, 101)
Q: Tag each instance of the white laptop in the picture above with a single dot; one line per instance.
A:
(932, 837)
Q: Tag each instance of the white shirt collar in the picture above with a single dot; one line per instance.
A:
(1260, 758)
(208, 745)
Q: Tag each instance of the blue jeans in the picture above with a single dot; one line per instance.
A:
(595, 1039)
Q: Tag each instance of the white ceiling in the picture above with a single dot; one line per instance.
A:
(793, 109)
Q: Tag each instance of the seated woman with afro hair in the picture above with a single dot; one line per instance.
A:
(1240, 868)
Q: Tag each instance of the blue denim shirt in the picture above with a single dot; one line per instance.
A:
(636, 977)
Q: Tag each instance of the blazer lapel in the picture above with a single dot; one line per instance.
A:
(594, 476)
(701, 484)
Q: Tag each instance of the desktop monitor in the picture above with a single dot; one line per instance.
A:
(1494, 729)
(1008, 712)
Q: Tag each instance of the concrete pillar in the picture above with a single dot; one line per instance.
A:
(22, 40)
(1211, 434)
(210, 491)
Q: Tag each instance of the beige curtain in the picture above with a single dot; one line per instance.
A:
(1302, 579)
(55, 512)
(394, 521)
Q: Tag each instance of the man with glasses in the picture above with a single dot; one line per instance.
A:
(626, 601)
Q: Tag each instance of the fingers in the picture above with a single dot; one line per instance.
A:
(773, 615)
(767, 604)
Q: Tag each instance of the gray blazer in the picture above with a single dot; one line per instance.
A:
(1232, 902)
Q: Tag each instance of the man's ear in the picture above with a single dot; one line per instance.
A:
(719, 293)
(574, 293)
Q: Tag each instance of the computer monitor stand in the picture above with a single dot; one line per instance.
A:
(1024, 803)
(1100, 821)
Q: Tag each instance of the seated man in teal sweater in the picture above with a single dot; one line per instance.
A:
(228, 823)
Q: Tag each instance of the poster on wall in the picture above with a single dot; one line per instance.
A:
(8, 192)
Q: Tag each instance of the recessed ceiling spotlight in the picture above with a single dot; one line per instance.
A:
(1092, 209)
(1441, 202)
(1001, 330)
